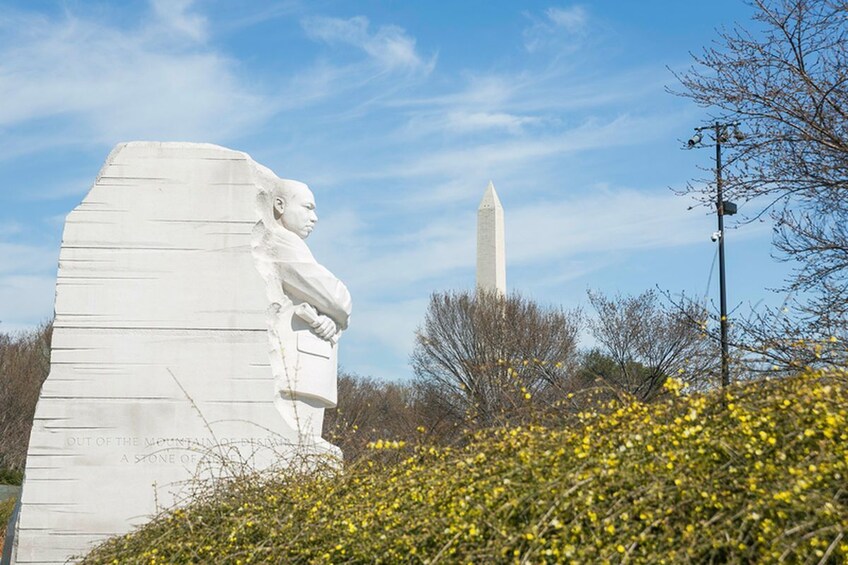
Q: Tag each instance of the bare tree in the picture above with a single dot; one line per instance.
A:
(786, 78)
(774, 342)
(644, 344)
(494, 359)
(370, 410)
(24, 364)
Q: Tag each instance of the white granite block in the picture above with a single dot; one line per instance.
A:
(176, 341)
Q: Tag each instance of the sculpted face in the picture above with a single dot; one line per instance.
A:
(297, 210)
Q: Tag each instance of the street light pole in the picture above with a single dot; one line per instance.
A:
(720, 131)
(725, 361)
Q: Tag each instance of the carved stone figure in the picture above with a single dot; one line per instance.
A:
(194, 333)
(309, 308)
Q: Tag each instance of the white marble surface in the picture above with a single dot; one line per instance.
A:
(162, 352)
(491, 252)
(309, 309)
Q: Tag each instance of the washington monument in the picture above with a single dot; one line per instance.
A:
(491, 257)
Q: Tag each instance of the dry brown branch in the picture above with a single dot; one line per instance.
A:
(24, 364)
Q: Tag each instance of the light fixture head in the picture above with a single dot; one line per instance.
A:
(694, 140)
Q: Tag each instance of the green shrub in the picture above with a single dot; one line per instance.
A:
(6, 508)
(756, 474)
(11, 477)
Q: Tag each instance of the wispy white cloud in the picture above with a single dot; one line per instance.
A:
(414, 263)
(176, 15)
(478, 90)
(10, 228)
(18, 258)
(390, 326)
(391, 63)
(460, 121)
(572, 19)
(25, 301)
(62, 190)
(389, 46)
(102, 83)
(607, 220)
(547, 92)
(556, 27)
(246, 15)
(463, 121)
(324, 81)
(600, 221)
(450, 153)
(27, 284)
(504, 156)
(569, 269)
(399, 255)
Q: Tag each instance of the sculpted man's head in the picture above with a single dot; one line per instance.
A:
(294, 207)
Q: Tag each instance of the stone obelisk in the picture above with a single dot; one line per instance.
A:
(491, 257)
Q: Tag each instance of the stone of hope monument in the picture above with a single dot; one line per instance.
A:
(194, 330)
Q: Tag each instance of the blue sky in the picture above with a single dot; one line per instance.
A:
(397, 114)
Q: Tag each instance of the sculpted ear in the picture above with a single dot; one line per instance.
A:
(279, 206)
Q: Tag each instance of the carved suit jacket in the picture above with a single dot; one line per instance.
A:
(306, 367)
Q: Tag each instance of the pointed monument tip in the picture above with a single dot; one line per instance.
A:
(490, 198)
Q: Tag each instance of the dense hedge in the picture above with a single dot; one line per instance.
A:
(754, 475)
(7, 506)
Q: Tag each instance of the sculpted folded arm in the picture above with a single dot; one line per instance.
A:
(314, 284)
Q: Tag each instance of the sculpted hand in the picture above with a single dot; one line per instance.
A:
(324, 327)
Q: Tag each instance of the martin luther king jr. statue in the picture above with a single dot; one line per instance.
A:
(309, 306)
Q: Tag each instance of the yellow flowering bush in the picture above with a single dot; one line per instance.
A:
(7, 506)
(754, 474)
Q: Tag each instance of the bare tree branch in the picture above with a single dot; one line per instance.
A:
(649, 343)
(788, 83)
